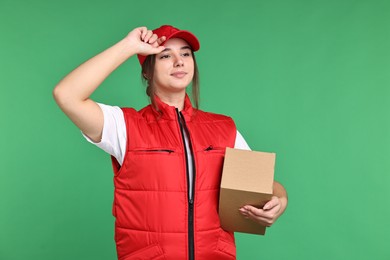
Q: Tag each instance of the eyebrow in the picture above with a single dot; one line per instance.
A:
(182, 48)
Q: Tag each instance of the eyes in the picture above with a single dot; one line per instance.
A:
(166, 56)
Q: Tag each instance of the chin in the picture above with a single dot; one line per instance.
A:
(178, 89)
(174, 86)
(180, 86)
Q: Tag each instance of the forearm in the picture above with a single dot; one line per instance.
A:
(78, 85)
(280, 192)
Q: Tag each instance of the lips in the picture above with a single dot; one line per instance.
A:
(179, 74)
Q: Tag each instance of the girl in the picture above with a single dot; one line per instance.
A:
(167, 157)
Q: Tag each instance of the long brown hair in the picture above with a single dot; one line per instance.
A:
(147, 75)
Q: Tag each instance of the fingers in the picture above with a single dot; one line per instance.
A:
(155, 42)
(143, 31)
(266, 220)
(145, 41)
(161, 40)
(265, 217)
(148, 36)
(257, 215)
(157, 50)
(250, 209)
(272, 203)
(153, 38)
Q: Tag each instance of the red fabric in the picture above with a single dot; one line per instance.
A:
(151, 202)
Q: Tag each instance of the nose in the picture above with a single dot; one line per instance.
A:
(178, 61)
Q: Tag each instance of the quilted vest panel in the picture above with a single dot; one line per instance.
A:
(151, 203)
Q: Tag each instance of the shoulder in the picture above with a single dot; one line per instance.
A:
(145, 115)
(210, 116)
(129, 111)
(132, 112)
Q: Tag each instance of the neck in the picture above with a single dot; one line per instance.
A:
(173, 99)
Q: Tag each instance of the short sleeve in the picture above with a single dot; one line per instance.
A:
(114, 132)
(240, 142)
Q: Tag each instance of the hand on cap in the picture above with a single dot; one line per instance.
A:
(265, 216)
(144, 41)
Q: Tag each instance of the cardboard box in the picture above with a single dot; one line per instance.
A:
(247, 179)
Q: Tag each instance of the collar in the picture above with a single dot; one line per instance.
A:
(166, 111)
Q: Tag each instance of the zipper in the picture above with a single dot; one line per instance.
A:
(156, 150)
(191, 194)
(211, 148)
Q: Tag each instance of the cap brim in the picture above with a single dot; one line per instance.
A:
(188, 37)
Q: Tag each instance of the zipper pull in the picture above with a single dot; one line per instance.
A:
(209, 148)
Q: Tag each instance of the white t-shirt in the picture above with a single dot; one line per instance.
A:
(114, 136)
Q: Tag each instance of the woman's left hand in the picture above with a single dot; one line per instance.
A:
(265, 216)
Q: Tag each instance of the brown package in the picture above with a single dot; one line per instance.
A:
(247, 179)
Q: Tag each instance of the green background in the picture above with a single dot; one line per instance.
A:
(308, 80)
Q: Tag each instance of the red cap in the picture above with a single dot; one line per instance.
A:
(171, 32)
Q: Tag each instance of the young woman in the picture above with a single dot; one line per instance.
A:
(167, 157)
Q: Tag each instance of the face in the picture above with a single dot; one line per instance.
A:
(174, 67)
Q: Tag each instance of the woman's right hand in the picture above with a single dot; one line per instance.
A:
(144, 41)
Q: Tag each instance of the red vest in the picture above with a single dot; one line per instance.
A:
(155, 218)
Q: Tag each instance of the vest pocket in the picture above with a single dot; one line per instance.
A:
(214, 149)
(152, 252)
(227, 248)
(151, 151)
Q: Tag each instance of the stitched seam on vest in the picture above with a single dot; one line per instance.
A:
(184, 232)
(152, 190)
(208, 230)
(151, 231)
(206, 189)
(211, 122)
